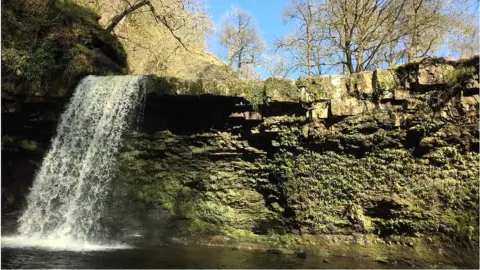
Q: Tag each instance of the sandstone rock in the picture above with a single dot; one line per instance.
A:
(319, 110)
(432, 74)
(384, 106)
(237, 115)
(321, 88)
(362, 82)
(350, 106)
(385, 82)
(472, 83)
(413, 104)
(399, 94)
(475, 99)
(305, 96)
(253, 116)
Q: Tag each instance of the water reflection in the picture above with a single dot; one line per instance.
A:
(173, 257)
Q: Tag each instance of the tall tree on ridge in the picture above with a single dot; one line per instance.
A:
(304, 45)
(240, 36)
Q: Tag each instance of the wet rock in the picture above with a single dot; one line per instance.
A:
(278, 251)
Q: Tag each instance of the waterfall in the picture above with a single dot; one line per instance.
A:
(67, 199)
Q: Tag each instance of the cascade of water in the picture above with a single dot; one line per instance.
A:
(68, 195)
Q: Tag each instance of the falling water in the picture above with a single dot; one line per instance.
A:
(67, 200)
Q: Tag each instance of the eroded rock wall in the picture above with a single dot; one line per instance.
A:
(382, 157)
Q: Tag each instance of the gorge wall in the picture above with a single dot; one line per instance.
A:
(384, 157)
(386, 160)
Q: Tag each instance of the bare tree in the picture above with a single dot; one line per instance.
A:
(240, 36)
(304, 45)
(358, 35)
(277, 66)
(463, 38)
(358, 29)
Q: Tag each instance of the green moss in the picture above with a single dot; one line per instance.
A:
(28, 145)
(455, 77)
(323, 87)
(281, 89)
(47, 43)
(385, 82)
(347, 185)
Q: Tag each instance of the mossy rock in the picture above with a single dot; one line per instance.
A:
(69, 43)
(279, 89)
(326, 87)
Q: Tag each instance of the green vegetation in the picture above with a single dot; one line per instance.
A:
(47, 46)
(257, 97)
(456, 76)
(281, 89)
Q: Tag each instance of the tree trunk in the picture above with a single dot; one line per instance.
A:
(309, 46)
(413, 48)
(115, 20)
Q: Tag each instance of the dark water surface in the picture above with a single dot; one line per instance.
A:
(174, 256)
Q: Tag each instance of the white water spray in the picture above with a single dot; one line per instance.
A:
(67, 200)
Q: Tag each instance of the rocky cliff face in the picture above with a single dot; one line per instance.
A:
(381, 164)
(389, 156)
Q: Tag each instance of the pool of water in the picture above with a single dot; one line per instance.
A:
(173, 256)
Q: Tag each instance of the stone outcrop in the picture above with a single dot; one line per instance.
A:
(342, 95)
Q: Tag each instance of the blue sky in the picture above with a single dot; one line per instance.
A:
(267, 13)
